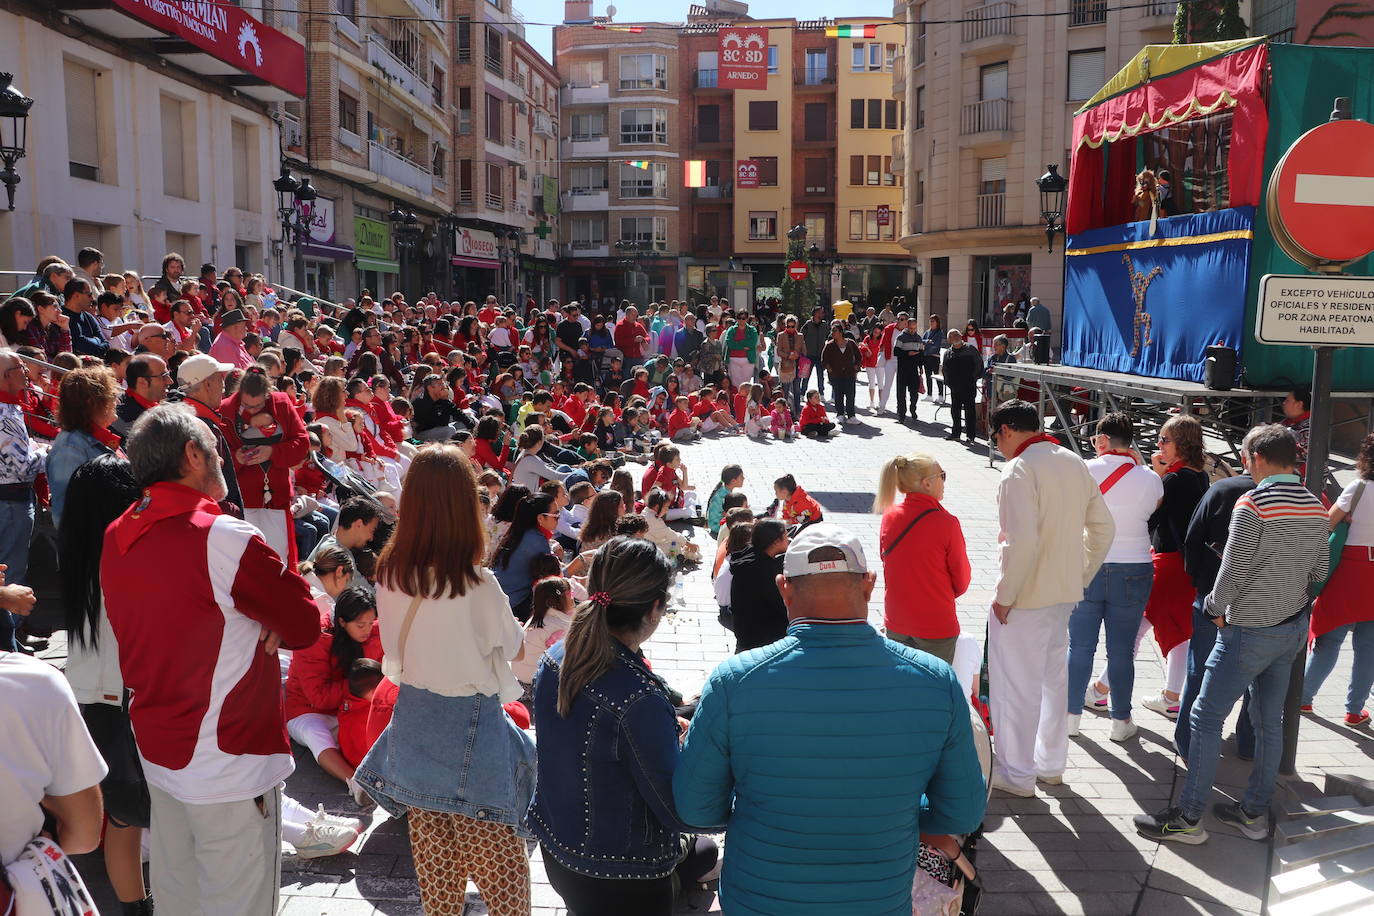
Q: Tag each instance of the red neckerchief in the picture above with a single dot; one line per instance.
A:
(1305, 415)
(6, 398)
(1175, 467)
(160, 501)
(548, 535)
(141, 400)
(105, 437)
(1038, 437)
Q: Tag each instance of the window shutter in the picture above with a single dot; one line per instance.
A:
(1087, 73)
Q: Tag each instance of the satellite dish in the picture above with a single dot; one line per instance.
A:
(610, 12)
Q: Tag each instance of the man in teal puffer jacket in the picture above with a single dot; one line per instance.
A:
(826, 754)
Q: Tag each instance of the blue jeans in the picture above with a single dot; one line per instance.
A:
(1257, 659)
(817, 372)
(309, 530)
(1115, 598)
(1325, 650)
(1199, 648)
(793, 392)
(16, 530)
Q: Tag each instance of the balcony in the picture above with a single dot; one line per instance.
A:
(1161, 8)
(723, 191)
(587, 249)
(918, 219)
(594, 148)
(1087, 12)
(291, 134)
(991, 20)
(465, 197)
(543, 125)
(815, 138)
(898, 153)
(400, 73)
(495, 201)
(814, 78)
(707, 80)
(713, 136)
(992, 210)
(599, 94)
(987, 116)
(706, 244)
(397, 168)
(899, 76)
(587, 200)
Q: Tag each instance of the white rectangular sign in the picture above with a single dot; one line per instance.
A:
(1316, 311)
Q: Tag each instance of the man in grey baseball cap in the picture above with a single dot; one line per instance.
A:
(826, 754)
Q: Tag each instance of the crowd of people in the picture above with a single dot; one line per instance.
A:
(405, 535)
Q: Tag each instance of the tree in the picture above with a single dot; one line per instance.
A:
(798, 296)
(1208, 20)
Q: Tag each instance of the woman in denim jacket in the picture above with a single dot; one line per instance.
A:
(608, 745)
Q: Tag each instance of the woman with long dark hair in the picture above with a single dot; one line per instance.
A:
(529, 536)
(608, 739)
(450, 758)
(15, 316)
(934, 339)
(100, 491)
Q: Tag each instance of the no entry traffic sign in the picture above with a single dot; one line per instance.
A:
(1316, 311)
(798, 270)
(1321, 195)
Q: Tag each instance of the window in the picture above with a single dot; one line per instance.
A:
(708, 231)
(438, 162)
(863, 226)
(889, 177)
(890, 115)
(464, 109)
(763, 115)
(875, 57)
(496, 186)
(815, 228)
(494, 119)
(708, 124)
(768, 171)
(992, 81)
(348, 8)
(817, 66)
(920, 107)
(816, 121)
(243, 158)
(588, 232)
(992, 175)
(772, 58)
(856, 114)
(176, 182)
(869, 57)
(856, 225)
(643, 71)
(872, 174)
(889, 56)
(816, 175)
(643, 125)
(437, 84)
(856, 170)
(875, 114)
(1087, 73)
(584, 74)
(647, 230)
(495, 51)
(588, 179)
(465, 181)
(650, 182)
(83, 144)
(589, 126)
(464, 38)
(348, 113)
(763, 225)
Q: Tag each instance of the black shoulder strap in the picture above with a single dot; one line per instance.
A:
(893, 546)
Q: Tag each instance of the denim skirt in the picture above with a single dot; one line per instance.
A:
(457, 754)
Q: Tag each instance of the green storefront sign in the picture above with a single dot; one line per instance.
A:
(372, 245)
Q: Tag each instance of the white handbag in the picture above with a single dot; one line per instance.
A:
(43, 881)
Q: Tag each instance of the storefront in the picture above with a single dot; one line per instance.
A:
(323, 254)
(476, 264)
(378, 272)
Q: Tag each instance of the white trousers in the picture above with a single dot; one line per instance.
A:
(1028, 659)
(316, 731)
(741, 370)
(216, 860)
(887, 374)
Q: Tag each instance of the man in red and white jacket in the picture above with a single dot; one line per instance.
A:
(198, 653)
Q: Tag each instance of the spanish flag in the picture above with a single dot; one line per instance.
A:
(694, 173)
(852, 31)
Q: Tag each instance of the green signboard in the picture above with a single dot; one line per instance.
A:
(371, 239)
(550, 195)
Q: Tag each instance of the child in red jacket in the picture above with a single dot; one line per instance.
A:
(795, 504)
(814, 422)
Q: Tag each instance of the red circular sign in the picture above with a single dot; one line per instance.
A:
(1324, 191)
(798, 270)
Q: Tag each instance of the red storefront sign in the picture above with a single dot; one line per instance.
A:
(746, 174)
(742, 58)
(884, 215)
(229, 34)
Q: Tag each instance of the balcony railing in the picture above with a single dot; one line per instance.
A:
(543, 124)
(1161, 8)
(814, 76)
(707, 135)
(380, 56)
(494, 65)
(399, 169)
(706, 79)
(899, 76)
(291, 132)
(918, 218)
(989, 20)
(987, 115)
(1088, 12)
(495, 201)
(722, 191)
(992, 210)
(465, 196)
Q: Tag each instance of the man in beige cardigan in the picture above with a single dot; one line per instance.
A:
(1055, 533)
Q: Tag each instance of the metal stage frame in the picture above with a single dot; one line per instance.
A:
(1075, 398)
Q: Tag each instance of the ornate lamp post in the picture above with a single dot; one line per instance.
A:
(405, 227)
(14, 122)
(1052, 186)
(295, 206)
(514, 240)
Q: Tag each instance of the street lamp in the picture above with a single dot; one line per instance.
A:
(295, 205)
(14, 120)
(405, 227)
(447, 226)
(1052, 186)
(514, 240)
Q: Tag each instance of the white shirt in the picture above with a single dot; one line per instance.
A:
(46, 749)
(537, 639)
(457, 647)
(1131, 501)
(1362, 522)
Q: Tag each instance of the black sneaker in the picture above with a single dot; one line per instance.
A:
(1170, 825)
(1253, 826)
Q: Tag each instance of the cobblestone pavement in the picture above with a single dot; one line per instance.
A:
(1070, 850)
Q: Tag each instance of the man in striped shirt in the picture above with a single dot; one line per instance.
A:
(1275, 551)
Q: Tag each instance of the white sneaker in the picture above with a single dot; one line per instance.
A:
(1002, 785)
(327, 818)
(324, 839)
(1123, 730)
(1161, 704)
(1073, 724)
(1094, 700)
(1052, 779)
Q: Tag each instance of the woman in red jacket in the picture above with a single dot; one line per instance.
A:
(317, 681)
(268, 439)
(925, 562)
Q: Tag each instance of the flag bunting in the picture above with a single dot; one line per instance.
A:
(638, 163)
(852, 31)
(617, 28)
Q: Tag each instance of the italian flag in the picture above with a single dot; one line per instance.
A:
(852, 31)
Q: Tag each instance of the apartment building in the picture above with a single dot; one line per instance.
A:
(622, 154)
(990, 101)
(146, 135)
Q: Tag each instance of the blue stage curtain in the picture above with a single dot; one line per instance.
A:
(1151, 305)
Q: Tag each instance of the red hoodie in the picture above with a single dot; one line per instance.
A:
(286, 454)
(678, 420)
(207, 701)
(812, 413)
(314, 682)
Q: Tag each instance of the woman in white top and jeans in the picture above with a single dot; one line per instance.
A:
(1117, 595)
(450, 758)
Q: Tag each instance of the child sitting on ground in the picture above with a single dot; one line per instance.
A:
(814, 423)
(796, 507)
(731, 479)
(781, 417)
(676, 546)
(736, 540)
(682, 426)
(364, 677)
(668, 473)
(551, 613)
